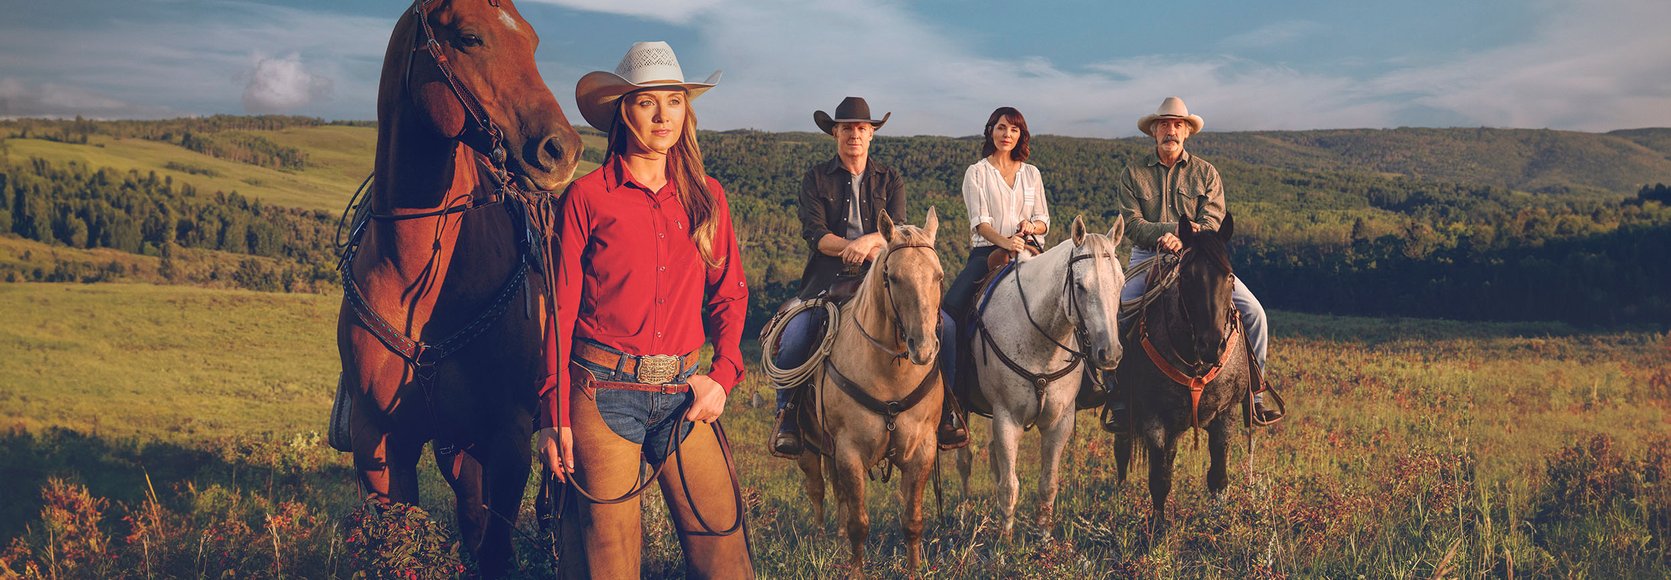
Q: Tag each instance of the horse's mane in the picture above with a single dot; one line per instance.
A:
(909, 234)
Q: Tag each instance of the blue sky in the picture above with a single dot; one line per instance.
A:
(1075, 67)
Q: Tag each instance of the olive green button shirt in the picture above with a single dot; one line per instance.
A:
(1153, 196)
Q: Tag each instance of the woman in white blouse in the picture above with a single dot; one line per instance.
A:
(1005, 198)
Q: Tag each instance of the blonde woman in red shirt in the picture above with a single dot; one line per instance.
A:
(645, 246)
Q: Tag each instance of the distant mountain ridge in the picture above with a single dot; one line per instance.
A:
(1538, 160)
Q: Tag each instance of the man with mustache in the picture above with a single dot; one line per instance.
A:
(1168, 189)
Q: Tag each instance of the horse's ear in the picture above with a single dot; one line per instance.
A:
(932, 223)
(1185, 233)
(1225, 228)
(885, 226)
(1078, 230)
(1118, 231)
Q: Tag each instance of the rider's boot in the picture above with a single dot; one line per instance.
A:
(786, 439)
(953, 431)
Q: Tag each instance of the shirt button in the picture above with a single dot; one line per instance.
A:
(662, 268)
(658, 335)
(660, 235)
(661, 301)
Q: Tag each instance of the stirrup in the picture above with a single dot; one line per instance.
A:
(951, 433)
(1263, 416)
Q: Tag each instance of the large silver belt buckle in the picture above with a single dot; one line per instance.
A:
(657, 369)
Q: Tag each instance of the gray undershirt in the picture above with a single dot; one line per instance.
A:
(855, 219)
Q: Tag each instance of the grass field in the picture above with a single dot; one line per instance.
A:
(1414, 449)
(338, 159)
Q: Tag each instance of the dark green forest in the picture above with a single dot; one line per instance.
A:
(1465, 224)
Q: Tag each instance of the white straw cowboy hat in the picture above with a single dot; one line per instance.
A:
(1171, 108)
(646, 65)
(851, 110)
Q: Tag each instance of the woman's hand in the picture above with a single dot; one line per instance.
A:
(1016, 244)
(709, 402)
(556, 447)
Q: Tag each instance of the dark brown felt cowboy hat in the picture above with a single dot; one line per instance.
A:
(851, 110)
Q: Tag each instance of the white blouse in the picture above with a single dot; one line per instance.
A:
(991, 201)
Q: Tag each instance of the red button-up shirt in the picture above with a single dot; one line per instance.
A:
(629, 276)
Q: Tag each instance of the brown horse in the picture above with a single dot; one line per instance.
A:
(1188, 367)
(878, 399)
(440, 326)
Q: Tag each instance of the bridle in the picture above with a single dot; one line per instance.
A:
(1200, 363)
(887, 288)
(482, 134)
(1074, 313)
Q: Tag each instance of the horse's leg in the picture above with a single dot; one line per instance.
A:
(1006, 438)
(387, 465)
(1218, 448)
(1163, 451)
(1122, 455)
(504, 478)
(463, 472)
(914, 472)
(848, 480)
(813, 482)
(965, 465)
(1055, 432)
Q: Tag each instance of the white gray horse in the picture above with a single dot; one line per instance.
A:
(1052, 314)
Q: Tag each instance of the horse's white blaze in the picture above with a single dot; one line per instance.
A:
(509, 21)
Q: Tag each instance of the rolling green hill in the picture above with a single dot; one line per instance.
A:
(338, 158)
(1538, 160)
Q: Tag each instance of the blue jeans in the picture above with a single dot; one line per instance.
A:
(1253, 314)
(961, 297)
(801, 335)
(642, 417)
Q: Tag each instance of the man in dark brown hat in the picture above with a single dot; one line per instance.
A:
(840, 201)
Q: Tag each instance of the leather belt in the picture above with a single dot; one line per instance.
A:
(649, 370)
(672, 389)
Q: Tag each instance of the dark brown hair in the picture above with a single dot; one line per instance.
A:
(684, 166)
(1023, 148)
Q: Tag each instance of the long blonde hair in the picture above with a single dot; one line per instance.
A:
(684, 164)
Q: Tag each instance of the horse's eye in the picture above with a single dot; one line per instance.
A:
(469, 40)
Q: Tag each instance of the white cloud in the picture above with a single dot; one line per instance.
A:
(281, 85)
(19, 98)
(1587, 67)
(672, 11)
(1273, 34)
(199, 61)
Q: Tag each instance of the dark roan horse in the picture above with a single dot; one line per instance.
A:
(440, 327)
(1193, 369)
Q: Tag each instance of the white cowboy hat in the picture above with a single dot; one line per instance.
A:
(646, 65)
(1171, 108)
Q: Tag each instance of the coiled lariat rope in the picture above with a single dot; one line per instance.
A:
(786, 378)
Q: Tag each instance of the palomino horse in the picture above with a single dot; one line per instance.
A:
(1044, 318)
(439, 331)
(878, 399)
(1194, 368)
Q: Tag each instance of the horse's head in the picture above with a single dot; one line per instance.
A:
(470, 75)
(1205, 282)
(911, 275)
(1093, 285)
